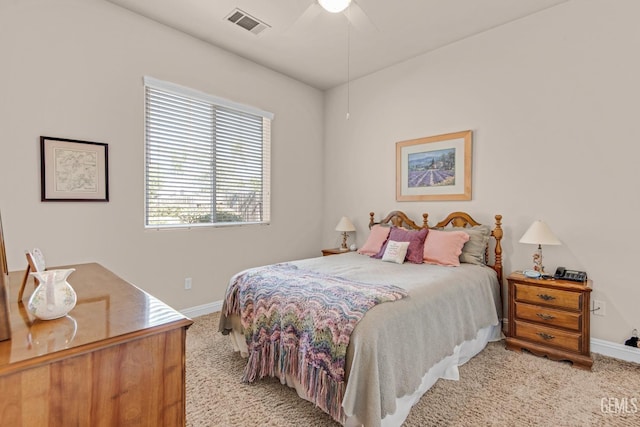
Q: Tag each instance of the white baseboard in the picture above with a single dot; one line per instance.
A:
(613, 349)
(201, 310)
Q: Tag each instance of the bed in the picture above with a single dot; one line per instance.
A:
(427, 320)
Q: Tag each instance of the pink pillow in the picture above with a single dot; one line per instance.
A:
(377, 236)
(415, 253)
(444, 247)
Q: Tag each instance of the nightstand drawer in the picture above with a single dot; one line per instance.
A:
(549, 336)
(548, 296)
(549, 316)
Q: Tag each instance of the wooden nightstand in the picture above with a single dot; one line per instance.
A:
(550, 318)
(334, 251)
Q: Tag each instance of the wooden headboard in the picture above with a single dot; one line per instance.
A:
(399, 219)
(454, 219)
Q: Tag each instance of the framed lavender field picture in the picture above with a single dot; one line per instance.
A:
(434, 168)
(72, 170)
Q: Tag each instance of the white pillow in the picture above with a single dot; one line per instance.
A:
(395, 252)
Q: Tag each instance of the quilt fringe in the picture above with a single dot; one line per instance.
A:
(231, 302)
(274, 360)
(285, 337)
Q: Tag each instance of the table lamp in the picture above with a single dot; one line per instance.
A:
(345, 226)
(539, 234)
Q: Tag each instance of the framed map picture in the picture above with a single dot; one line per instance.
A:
(73, 170)
(434, 168)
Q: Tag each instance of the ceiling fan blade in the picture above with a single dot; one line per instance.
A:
(359, 18)
(307, 17)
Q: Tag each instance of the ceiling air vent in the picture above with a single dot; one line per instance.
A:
(246, 21)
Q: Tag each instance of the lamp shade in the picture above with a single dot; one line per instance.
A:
(539, 234)
(345, 225)
(334, 6)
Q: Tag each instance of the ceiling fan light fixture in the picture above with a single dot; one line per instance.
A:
(334, 6)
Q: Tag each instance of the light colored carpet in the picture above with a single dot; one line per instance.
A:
(498, 387)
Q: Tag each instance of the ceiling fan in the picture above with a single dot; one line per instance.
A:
(355, 15)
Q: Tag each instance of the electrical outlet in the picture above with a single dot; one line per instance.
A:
(187, 283)
(599, 308)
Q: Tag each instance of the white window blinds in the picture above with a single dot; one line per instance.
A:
(207, 159)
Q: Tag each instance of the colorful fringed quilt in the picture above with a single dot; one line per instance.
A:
(299, 322)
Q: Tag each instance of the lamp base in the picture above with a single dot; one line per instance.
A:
(537, 260)
(344, 246)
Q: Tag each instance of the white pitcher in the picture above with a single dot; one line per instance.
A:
(54, 297)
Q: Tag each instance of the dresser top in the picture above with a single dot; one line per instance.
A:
(566, 284)
(109, 310)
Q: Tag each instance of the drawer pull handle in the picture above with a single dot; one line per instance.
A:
(546, 297)
(545, 316)
(544, 336)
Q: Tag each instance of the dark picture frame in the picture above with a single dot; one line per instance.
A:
(73, 171)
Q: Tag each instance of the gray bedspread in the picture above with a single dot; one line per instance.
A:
(396, 343)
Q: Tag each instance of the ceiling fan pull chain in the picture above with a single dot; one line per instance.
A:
(348, 12)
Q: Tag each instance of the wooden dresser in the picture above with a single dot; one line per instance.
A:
(550, 318)
(117, 359)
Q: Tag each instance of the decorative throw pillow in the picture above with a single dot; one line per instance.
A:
(395, 251)
(416, 243)
(444, 247)
(473, 251)
(377, 236)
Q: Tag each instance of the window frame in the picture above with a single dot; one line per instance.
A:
(215, 101)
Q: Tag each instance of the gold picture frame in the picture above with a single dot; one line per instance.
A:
(434, 168)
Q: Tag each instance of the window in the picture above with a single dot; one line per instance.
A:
(207, 159)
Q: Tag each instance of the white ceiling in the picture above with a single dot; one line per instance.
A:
(310, 44)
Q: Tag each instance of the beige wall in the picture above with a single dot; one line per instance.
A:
(74, 69)
(552, 100)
